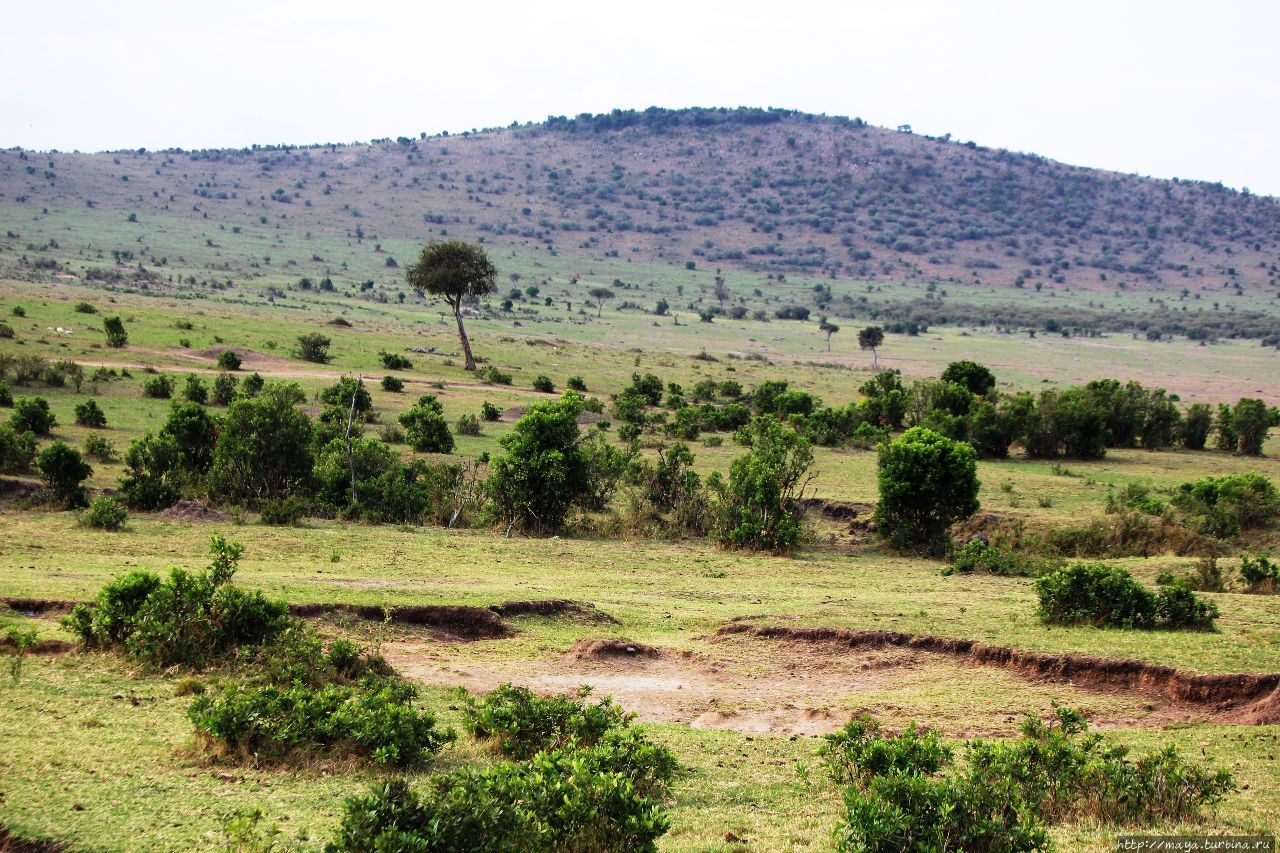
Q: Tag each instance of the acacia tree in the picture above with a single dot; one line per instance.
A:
(454, 271)
(827, 328)
(870, 338)
(600, 294)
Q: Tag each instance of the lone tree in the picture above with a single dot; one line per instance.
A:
(827, 328)
(927, 481)
(454, 271)
(117, 337)
(870, 338)
(600, 294)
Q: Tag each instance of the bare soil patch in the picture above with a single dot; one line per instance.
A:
(552, 607)
(185, 510)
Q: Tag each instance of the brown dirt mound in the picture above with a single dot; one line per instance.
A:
(193, 511)
(1252, 698)
(42, 647)
(515, 413)
(38, 605)
(12, 489)
(552, 607)
(837, 510)
(10, 843)
(612, 649)
(456, 620)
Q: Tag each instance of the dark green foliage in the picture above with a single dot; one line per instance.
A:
(264, 447)
(994, 424)
(1225, 506)
(672, 492)
(973, 376)
(757, 508)
(388, 490)
(576, 383)
(493, 376)
(229, 361)
(1196, 425)
(252, 385)
(544, 384)
(270, 721)
(195, 432)
(468, 425)
(89, 414)
(648, 387)
(314, 347)
(64, 471)
(31, 414)
(907, 794)
(1250, 421)
(543, 471)
(1134, 496)
(346, 390)
(1108, 597)
(1067, 423)
(195, 390)
(394, 361)
(456, 272)
(224, 389)
(425, 428)
(518, 723)
(117, 337)
(159, 387)
(977, 556)
(153, 469)
(17, 450)
(285, 511)
(927, 482)
(1261, 573)
(1224, 427)
(394, 384)
(105, 513)
(188, 620)
(6, 396)
(489, 412)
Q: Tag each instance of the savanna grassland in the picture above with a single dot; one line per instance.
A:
(199, 253)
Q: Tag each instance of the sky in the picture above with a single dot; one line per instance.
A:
(1167, 89)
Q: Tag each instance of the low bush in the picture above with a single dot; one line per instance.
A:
(489, 412)
(64, 471)
(17, 450)
(907, 793)
(1225, 506)
(394, 361)
(6, 396)
(468, 425)
(105, 513)
(31, 414)
(544, 384)
(224, 389)
(89, 414)
(1261, 573)
(493, 376)
(519, 723)
(195, 390)
(393, 384)
(576, 383)
(977, 556)
(229, 360)
(283, 512)
(1107, 597)
(425, 427)
(159, 387)
(379, 723)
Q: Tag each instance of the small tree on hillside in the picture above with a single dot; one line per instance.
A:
(600, 294)
(722, 290)
(64, 470)
(454, 271)
(1250, 421)
(117, 337)
(871, 338)
(976, 377)
(314, 347)
(827, 328)
(927, 482)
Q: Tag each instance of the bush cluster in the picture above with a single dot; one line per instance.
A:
(1109, 597)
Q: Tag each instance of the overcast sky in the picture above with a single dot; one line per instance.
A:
(1186, 89)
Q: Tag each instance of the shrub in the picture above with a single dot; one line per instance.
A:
(977, 556)
(224, 389)
(576, 383)
(313, 347)
(977, 378)
(117, 337)
(346, 392)
(17, 450)
(195, 390)
(229, 360)
(195, 432)
(489, 412)
(1107, 597)
(1196, 425)
(378, 723)
(6, 396)
(252, 385)
(519, 723)
(394, 361)
(282, 512)
(188, 620)
(544, 470)
(105, 513)
(6, 331)
(860, 751)
(468, 425)
(264, 447)
(393, 384)
(63, 470)
(1250, 420)
(1260, 572)
(425, 427)
(1228, 505)
(544, 384)
(159, 387)
(31, 414)
(493, 376)
(152, 473)
(927, 482)
(89, 414)
(758, 508)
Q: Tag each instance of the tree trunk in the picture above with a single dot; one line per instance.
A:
(351, 462)
(875, 360)
(462, 335)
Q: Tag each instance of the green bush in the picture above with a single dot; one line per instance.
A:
(493, 376)
(17, 450)
(89, 414)
(576, 383)
(977, 556)
(927, 482)
(861, 751)
(425, 427)
(6, 396)
(544, 471)
(159, 387)
(313, 347)
(489, 412)
(153, 473)
(1261, 573)
(283, 512)
(229, 360)
(195, 390)
(604, 797)
(64, 471)
(117, 336)
(31, 414)
(377, 722)
(394, 361)
(393, 384)
(224, 389)
(468, 425)
(105, 513)
(976, 377)
(758, 508)
(263, 450)
(519, 723)
(188, 620)
(1225, 506)
(544, 384)
(1107, 597)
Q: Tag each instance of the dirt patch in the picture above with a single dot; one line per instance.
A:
(612, 649)
(10, 843)
(515, 413)
(12, 489)
(1244, 697)
(454, 620)
(41, 647)
(838, 510)
(552, 607)
(37, 606)
(185, 510)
